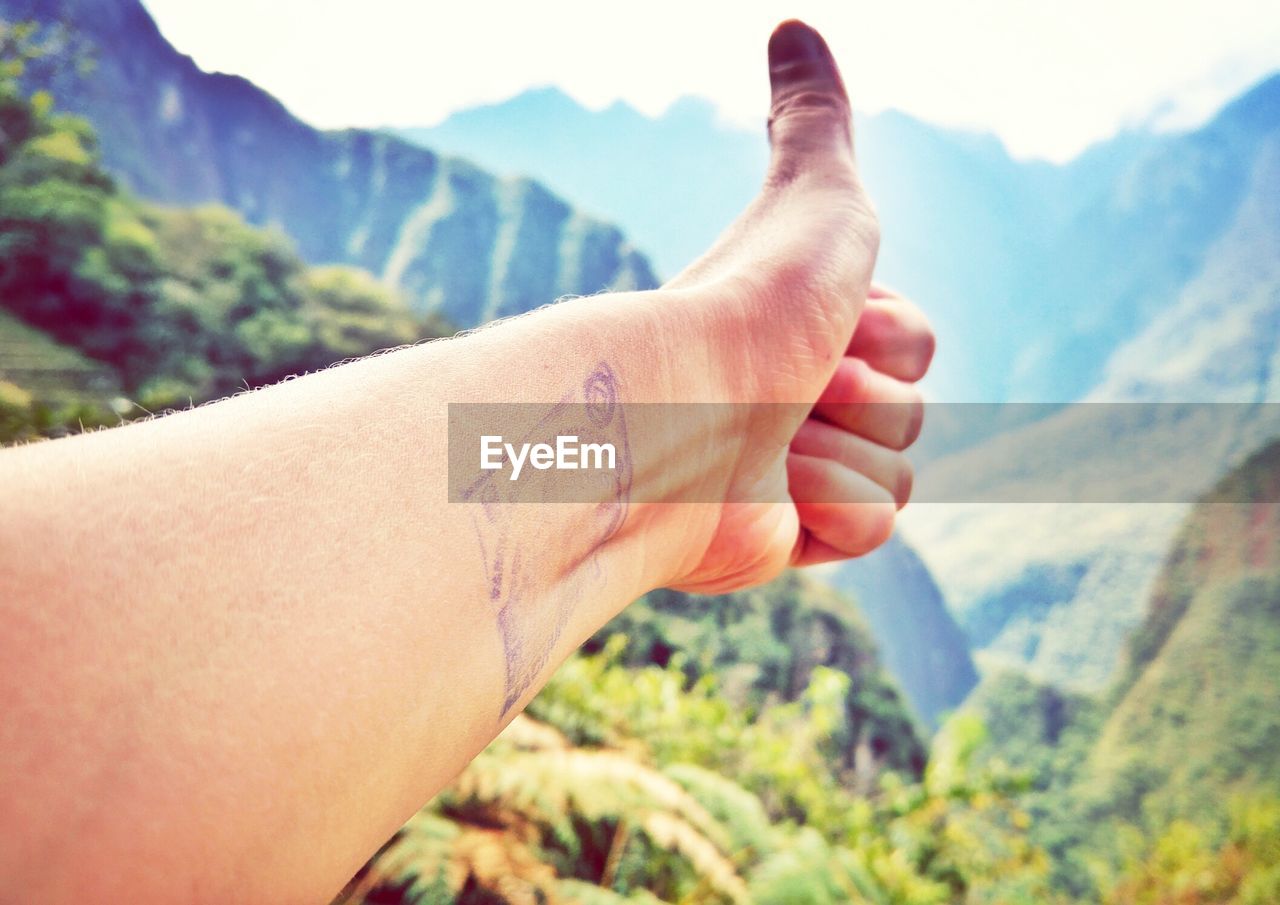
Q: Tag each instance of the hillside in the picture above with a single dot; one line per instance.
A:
(765, 644)
(1188, 734)
(920, 643)
(458, 241)
(1070, 580)
(1195, 717)
(113, 307)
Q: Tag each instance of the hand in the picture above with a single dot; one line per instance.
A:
(789, 288)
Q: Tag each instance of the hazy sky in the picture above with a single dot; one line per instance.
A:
(1047, 76)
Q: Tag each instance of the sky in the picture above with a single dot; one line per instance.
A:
(1048, 77)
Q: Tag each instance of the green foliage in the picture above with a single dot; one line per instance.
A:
(779, 753)
(1188, 866)
(1133, 786)
(652, 787)
(764, 644)
(1195, 719)
(535, 819)
(179, 305)
(1202, 720)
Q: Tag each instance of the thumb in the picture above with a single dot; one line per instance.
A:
(809, 117)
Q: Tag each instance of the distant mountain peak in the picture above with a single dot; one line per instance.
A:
(693, 108)
(1258, 108)
(544, 97)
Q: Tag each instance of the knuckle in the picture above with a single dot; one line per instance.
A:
(865, 222)
(904, 482)
(910, 416)
(857, 375)
(807, 100)
(916, 422)
(923, 341)
(928, 346)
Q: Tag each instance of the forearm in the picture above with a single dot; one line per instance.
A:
(230, 629)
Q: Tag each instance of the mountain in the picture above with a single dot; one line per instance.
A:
(1194, 716)
(920, 643)
(457, 240)
(678, 178)
(112, 307)
(1151, 228)
(1069, 581)
(1047, 538)
(1033, 273)
(1217, 341)
(1188, 733)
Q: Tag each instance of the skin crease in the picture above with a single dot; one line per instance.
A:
(244, 643)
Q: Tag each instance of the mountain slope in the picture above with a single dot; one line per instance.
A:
(1033, 273)
(1070, 580)
(1195, 717)
(922, 646)
(1217, 341)
(678, 179)
(1189, 730)
(1049, 567)
(765, 644)
(457, 240)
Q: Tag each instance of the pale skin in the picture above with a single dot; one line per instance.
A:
(244, 643)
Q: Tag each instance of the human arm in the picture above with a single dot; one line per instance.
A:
(243, 643)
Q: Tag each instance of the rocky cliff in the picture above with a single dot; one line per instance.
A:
(456, 239)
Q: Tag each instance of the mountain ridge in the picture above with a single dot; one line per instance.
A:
(920, 643)
(1070, 261)
(178, 135)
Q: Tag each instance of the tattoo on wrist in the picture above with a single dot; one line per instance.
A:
(592, 412)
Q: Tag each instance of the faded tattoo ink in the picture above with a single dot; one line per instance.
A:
(593, 413)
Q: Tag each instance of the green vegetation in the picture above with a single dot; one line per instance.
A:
(764, 644)
(633, 784)
(1186, 866)
(175, 306)
(1130, 791)
(1196, 717)
(1046, 735)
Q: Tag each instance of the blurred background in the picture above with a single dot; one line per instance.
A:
(1049, 702)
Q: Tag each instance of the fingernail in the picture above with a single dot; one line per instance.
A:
(795, 42)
